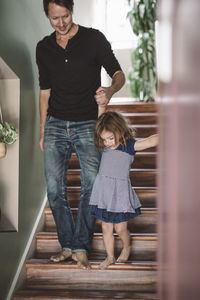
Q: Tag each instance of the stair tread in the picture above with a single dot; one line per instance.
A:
(131, 170)
(129, 105)
(151, 188)
(144, 125)
(130, 101)
(46, 263)
(135, 279)
(144, 223)
(141, 160)
(147, 195)
(141, 236)
(83, 294)
(143, 114)
(138, 177)
(143, 210)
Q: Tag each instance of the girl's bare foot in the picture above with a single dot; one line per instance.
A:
(124, 255)
(108, 261)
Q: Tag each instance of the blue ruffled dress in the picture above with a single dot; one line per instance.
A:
(113, 199)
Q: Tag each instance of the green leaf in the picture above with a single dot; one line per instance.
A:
(8, 134)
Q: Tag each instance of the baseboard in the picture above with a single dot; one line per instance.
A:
(20, 275)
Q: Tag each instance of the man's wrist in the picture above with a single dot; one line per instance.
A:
(111, 91)
(42, 131)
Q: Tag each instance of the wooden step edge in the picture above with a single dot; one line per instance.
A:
(137, 153)
(125, 101)
(47, 264)
(143, 153)
(143, 210)
(72, 171)
(142, 114)
(150, 188)
(98, 236)
(154, 153)
(82, 294)
(144, 170)
(144, 126)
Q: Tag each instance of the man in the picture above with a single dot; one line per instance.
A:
(69, 63)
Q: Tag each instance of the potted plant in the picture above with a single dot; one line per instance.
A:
(8, 136)
(142, 77)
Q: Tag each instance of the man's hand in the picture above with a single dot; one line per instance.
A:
(41, 142)
(103, 95)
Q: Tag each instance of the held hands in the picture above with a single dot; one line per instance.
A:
(103, 95)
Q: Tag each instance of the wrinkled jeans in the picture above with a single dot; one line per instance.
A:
(59, 139)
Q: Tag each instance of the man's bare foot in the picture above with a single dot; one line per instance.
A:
(124, 255)
(74, 257)
(82, 260)
(108, 261)
(61, 256)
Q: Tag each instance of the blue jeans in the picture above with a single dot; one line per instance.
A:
(59, 139)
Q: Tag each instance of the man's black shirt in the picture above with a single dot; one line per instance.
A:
(74, 74)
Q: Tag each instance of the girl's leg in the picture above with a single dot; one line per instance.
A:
(124, 234)
(108, 238)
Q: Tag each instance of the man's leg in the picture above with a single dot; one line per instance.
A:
(57, 152)
(89, 158)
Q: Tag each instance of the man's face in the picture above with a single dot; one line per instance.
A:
(60, 18)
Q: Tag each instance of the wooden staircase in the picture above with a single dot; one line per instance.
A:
(133, 280)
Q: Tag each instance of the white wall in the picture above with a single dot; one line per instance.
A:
(84, 15)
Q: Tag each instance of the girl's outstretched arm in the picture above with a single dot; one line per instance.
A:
(143, 144)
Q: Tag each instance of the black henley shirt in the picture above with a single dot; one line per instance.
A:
(74, 74)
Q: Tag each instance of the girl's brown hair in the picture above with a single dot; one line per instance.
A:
(117, 124)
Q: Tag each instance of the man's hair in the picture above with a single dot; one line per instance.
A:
(69, 4)
(116, 123)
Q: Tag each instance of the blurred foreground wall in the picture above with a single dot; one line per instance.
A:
(179, 161)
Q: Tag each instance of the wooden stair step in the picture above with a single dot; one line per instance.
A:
(132, 276)
(133, 107)
(135, 279)
(142, 118)
(147, 196)
(145, 160)
(142, 160)
(143, 131)
(139, 177)
(144, 223)
(143, 246)
(81, 294)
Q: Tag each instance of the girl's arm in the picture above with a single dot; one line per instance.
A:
(151, 141)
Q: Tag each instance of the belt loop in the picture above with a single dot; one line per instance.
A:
(68, 130)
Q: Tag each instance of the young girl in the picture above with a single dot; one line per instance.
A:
(112, 200)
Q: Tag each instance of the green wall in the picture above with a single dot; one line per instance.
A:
(22, 24)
